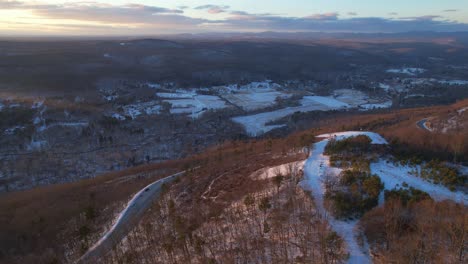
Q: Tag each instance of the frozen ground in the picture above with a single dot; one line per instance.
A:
(376, 138)
(256, 125)
(196, 105)
(351, 97)
(384, 86)
(77, 124)
(454, 82)
(394, 176)
(283, 169)
(317, 167)
(370, 106)
(256, 95)
(329, 102)
(462, 110)
(407, 71)
(135, 110)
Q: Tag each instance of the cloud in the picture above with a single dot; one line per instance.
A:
(451, 10)
(352, 14)
(213, 9)
(393, 13)
(421, 18)
(331, 23)
(325, 16)
(145, 19)
(10, 4)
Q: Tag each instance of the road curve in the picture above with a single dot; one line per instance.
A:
(422, 125)
(127, 219)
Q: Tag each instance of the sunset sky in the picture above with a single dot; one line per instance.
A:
(118, 17)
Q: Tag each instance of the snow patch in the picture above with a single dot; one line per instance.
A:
(37, 144)
(255, 95)
(394, 176)
(316, 168)
(382, 105)
(256, 124)
(196, 105)
(375, 138)
(327, 101)
(283, 169)
(13, 130)
(118, 117)
(461, 111)
(453, 82)
(407, 71)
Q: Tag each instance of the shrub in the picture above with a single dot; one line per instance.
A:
(406, 195)
(357, 192)
(357, 144)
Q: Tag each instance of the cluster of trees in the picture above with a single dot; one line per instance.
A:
(435, 171)
(355, 193)
(350, 153)
(439, 173)
(357, 144)
(275, 224)
(16, 116)
(356, 190)
(411, 231)
(406, 195)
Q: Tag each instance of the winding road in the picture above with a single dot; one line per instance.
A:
(422, 125)
(127, 219)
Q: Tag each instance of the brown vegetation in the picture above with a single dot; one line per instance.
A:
(420, 232)
(39, 222)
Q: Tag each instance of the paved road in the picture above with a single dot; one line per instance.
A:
(422, 124)
(128, 218)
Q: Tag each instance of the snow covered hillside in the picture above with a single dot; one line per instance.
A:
(317, 168)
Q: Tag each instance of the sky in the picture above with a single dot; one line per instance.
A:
(153, 17)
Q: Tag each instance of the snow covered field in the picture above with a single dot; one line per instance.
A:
(256, 95)
(407, 71)
(351, 97)
(196, 105)
(370, 106)
(135, 110)
(453, 82)
(256, 125)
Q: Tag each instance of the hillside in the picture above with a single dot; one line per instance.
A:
(234, 203)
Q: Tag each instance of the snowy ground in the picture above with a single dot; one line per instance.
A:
(256, 95)
(256, 125)
(196, 105)
(78, 124)
(462, 110)
(317, 167)
(138, 109)
(351, 97)
(394, 176)
(407, 71)
(454, 82)
(370, 106)
(291, 168)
